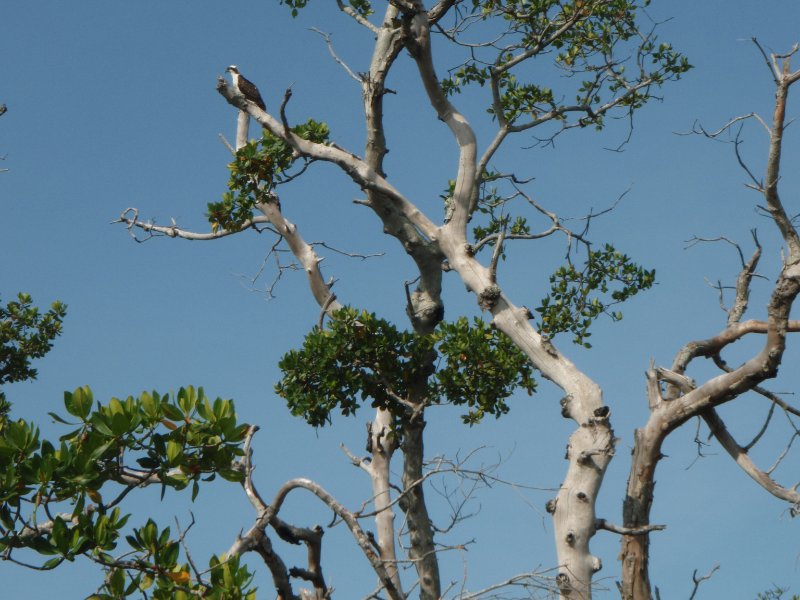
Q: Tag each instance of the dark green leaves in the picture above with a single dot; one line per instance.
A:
(464, 75)
(578, 297)
(26, 334)
(480, 368)
(295, 5)
(361, 7)
(258, 168)
(360, 358)
(162, 576)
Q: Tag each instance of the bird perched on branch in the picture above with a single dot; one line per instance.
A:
(246, 87)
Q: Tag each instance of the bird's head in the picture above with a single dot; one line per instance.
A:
(232, 69)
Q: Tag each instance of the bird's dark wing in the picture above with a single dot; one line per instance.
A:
(251, 92)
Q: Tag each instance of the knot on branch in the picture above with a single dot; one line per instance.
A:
(597, 564)
(488, 298)
(375, 439)
(564, 584)
(551, 505)
(425, 313)
(566, 403)
(602, 412)
(525, 313)
(586, 458)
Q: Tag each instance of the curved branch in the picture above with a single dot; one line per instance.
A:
(774, 205)
(366, 177)
(439, 10)
(774, 398)
(329, 42)
(362, 539)
(418, 43)
(130, 217)
(712, 346)
(742, 458)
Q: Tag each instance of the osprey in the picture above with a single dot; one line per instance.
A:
(245, 87)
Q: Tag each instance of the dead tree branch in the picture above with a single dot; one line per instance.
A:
(698, 580)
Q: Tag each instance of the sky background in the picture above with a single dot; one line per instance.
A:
(112, 105)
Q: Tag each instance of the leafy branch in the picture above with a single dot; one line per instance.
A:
(361, 358)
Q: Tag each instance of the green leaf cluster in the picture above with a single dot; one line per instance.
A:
(25, 334)
(480, 367)
(160, 576)
(361, 358)
(516, 98)
(73, 535)
(58, 499)
(775, 593)
(578, 297)
(361, 7)
(75, 484)
(230, 580)
(516, 225)
(493, 205)
(295, 5)
(357, 358)
(591, 40)
(258, 167)
(520, 98)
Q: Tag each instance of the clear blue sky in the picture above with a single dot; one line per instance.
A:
(112, 105)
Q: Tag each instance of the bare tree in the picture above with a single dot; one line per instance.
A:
(675, 398)
(615, 66)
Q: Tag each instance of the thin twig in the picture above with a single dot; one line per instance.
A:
(182, 540)
(287, 95)
(327, 37)
(698, 580)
